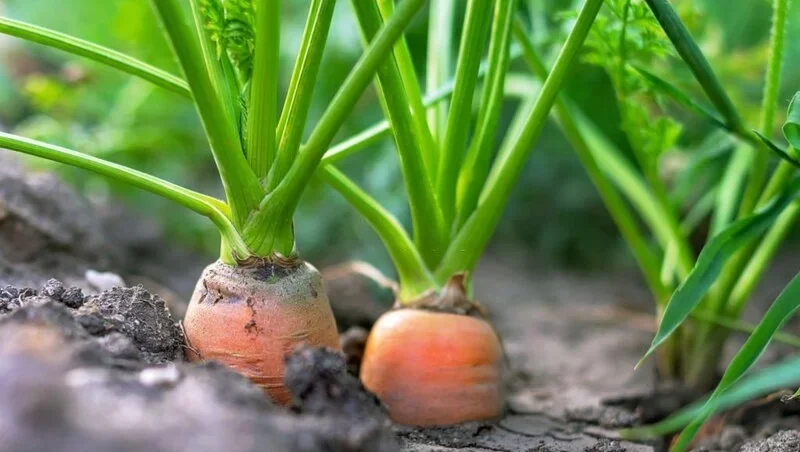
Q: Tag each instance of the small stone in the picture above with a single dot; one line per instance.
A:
(73, 297)
(53, 288)
(103, 281)
(160, 376)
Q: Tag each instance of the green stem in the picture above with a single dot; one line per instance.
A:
(469, 243)
(405, 65)
(758, 170)
(207, 206)
(209, 91)
(301, 87)
(92, 51)
(281, 202)
(263, 106)
(440, 58)
(430, 234)
(475, 169)
(473, 40)
(412, 272)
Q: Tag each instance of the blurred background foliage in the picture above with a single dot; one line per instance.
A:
(555, 211)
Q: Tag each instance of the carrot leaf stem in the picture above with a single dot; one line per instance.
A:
(213, 208)
(440, 59)
(301, 88)
(467, 246)
(262, 112)
(473, 173)
(414, 277)
(281, 202)
(95, 52)
(428, 227)
(473, 39)
(212, 98)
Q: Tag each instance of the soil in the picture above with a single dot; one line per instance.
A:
(87, 369)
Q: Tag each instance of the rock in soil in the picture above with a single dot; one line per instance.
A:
(108, 376)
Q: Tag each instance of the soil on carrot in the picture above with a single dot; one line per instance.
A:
(87, 369)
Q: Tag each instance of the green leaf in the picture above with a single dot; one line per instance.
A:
(777, 150)
(772, 378)
(791, 128)
(690, 53)
(711, 261)
(778, 314)
(92, 51)
(680, 97)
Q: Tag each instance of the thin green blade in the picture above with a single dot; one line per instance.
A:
(791, 128)
(759, 384)
(777, 150)
(681, 98)
(781, 310)
(711, 261)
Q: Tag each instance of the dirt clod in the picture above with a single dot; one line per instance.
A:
(784, 441)
(139, 315)
(353, 342)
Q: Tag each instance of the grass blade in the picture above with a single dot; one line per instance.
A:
(690, 53)
(711, 260)
(682, 98)
(778, 314)
(473, 40)
(761, 383)
(92, 51)
(791, 128)
(777, 150)
(413, 274)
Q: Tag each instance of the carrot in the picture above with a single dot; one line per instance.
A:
(431, 367)
(250, 316)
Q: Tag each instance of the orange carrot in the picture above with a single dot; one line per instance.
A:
(249, 317)
(434, 368)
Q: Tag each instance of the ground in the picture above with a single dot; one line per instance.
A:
(88, 367)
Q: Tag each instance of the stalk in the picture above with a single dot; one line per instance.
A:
(472, 176)
(301, 88)
(473, 40)
(281, 202)
(214, 209)
(428, 227)
(214, 105)
(415, 279)
(263, 107)
(469, 243)
(440, 58)
(405, 65)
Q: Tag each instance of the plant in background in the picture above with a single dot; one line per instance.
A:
(259, 299)
(457, 191)
(698, 298)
